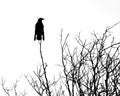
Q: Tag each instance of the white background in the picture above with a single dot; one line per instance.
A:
(19, 54)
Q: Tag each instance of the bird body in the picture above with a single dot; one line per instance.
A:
(39, 30)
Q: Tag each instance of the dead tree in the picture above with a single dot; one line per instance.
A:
(40, 82)
(73, 67)
(103, 60)
(12, 91)
(93, 70)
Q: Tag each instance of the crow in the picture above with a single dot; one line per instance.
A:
(39, 30)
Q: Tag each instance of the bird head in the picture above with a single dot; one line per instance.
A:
(40, 19)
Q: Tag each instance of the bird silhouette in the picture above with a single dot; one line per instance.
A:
(39, 30)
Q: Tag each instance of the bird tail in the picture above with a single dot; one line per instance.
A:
(34, 37)
(43, 37)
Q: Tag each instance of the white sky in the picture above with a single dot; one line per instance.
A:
(19, 54)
